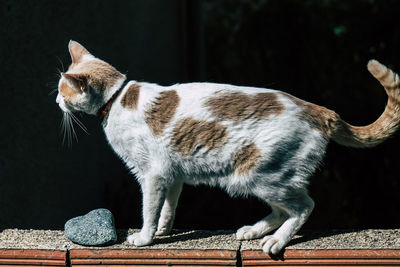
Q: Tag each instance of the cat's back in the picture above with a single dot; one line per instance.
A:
(204, 90)
(161, 107)
(230, 102)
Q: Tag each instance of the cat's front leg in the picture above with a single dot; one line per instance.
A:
(154, 191)
(167, 216)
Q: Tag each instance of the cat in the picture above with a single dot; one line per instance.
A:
(249, 141)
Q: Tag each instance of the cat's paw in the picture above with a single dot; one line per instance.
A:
(139, 240)
(272, 244)
(247, 232)
(163, 231)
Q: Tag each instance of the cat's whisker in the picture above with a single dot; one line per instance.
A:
(72, 128)
(53, 91)
(52, 84)
(68, 130)
(79, 123)
(70, 136)
(63, 128)
(57, 74)
(62, 65)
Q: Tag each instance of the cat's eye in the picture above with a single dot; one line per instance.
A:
(78, 81)
(82, 85)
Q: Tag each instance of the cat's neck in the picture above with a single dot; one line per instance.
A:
(119, 85)
(109, 97)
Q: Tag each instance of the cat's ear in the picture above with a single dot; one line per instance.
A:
(80, 80)
(77, 51)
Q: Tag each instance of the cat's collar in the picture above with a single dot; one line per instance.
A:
(103, 111)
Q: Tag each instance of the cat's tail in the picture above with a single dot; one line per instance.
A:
(375, 133)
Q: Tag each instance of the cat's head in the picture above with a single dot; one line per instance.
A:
(88, 82)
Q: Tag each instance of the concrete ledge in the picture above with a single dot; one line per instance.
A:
(179, 239)
(183, 248)
(203, 248)
(331, 248)
(339, 239)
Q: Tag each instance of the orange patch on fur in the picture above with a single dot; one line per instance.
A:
(66, 91)
(386, 125)
(162, 111)
(99, 74)
(318, 117)
(190, 135)
(246, 159)
(131, 97)
(239, 106)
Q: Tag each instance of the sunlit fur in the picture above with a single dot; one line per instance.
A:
(249, 141)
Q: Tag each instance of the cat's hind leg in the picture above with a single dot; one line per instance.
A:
(298, 209)
(262, 227)
(167, 216)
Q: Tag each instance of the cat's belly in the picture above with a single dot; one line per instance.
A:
(214, 173)
(234, 186)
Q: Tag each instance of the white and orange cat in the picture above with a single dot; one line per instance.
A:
(248, 141)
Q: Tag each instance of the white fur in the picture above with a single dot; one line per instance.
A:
(153, 160)
(290, 151)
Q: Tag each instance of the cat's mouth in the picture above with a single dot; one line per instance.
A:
(64, 108)
(67, 124)
(61, 103)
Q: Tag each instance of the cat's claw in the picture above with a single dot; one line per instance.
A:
(272, 244)
(138, 240)
(247, 232)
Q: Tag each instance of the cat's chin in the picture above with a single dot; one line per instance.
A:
(64, 109)
(62, 105)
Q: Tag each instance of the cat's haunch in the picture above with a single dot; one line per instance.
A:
(246, 140)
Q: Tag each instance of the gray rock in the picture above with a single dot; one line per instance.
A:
(93, 229)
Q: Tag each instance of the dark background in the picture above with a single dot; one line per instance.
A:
(314, 49)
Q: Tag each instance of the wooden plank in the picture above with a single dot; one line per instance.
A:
(184, 262)
(31, 262)
(32, 257)
(32, 254)
(139, 257)
(162, 265)
(365, 257)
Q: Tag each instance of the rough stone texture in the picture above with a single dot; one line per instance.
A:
(96, 228)
(45, 239)
(33, 239)
(339, 239)
(334, 239)
(180, 239)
